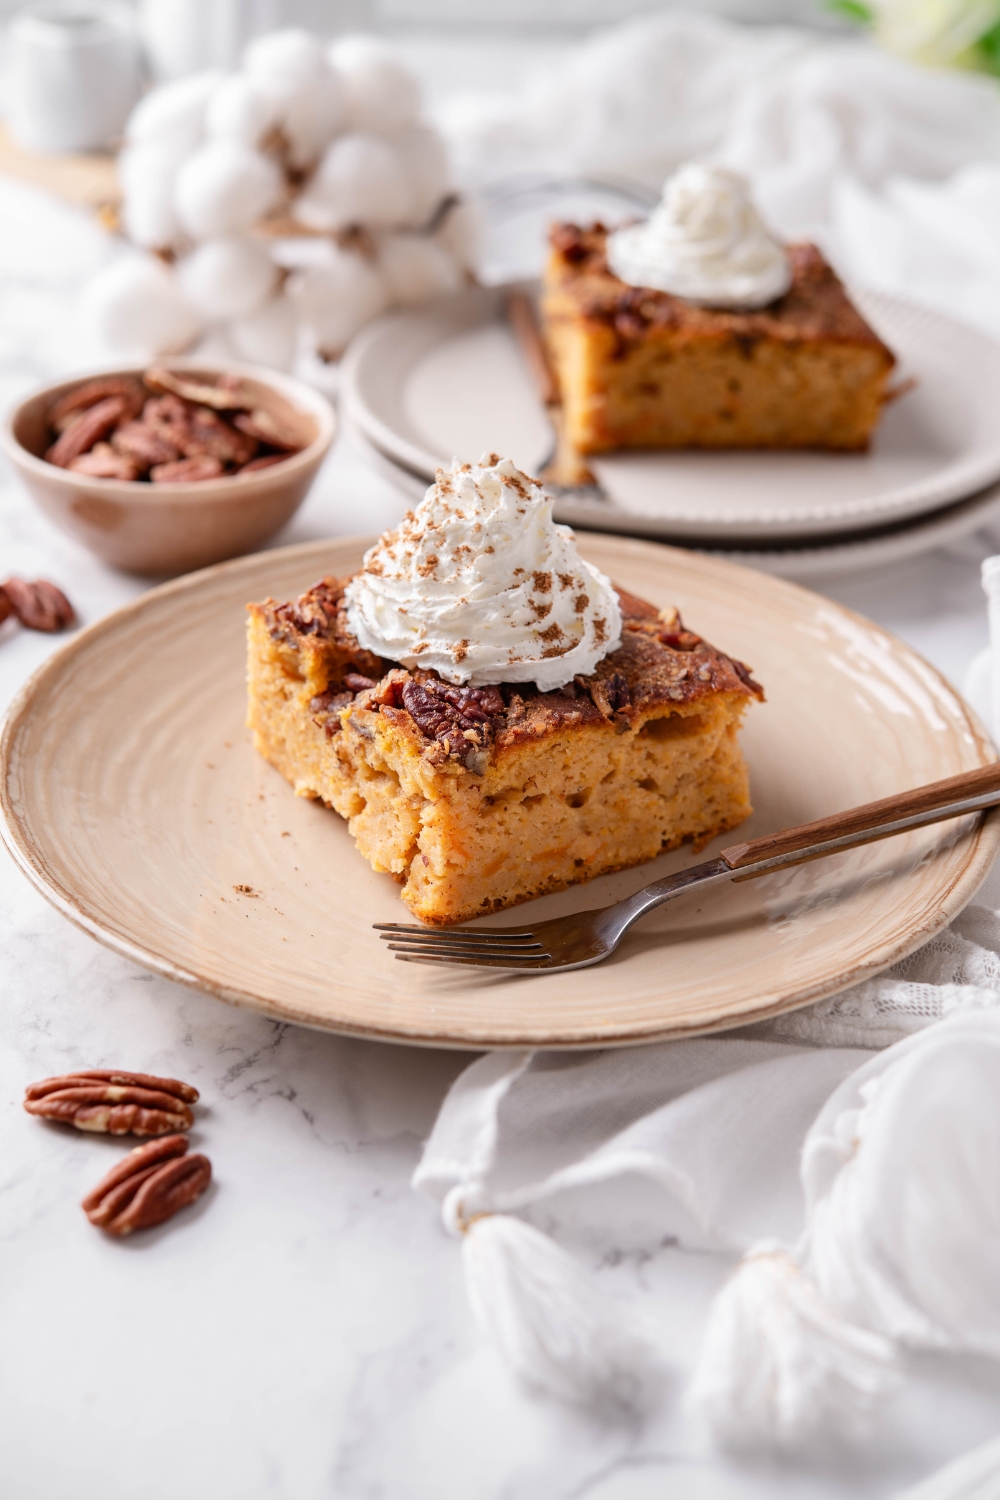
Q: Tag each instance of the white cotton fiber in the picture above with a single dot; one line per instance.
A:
(224, 188)
(381, 95)
(359, 181)
(240, 110)
(269, 335)
(461, 234)
(306, 94)
(416, 268)
(425, 166)
(137, 305)
(228, 278)
(334, 300)
(284, 57)
(310, 117)
(147, 174)
(173, 114)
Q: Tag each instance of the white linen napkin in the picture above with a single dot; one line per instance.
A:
(875, 1178)
(892, 166)
(862, 1187)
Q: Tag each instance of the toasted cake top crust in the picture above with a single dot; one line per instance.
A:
(658, 663)
(816, 306)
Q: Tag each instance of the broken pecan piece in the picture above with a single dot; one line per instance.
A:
(609, 695)
(102, 462)
(266, 428)
(114, 1103)
(66, 410)
(144, 444)
(38, 605)
(186, 470)
(6, 607)
(149, 1186)
(228, 397)
(210, 434)
(388, 691)
(325, 708)
(95, 423)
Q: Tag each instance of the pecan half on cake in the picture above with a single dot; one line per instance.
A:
(479, 796)
(641, 366)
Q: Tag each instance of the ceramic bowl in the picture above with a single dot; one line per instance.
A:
(162, 529)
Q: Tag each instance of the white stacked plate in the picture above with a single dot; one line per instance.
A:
(448, 379)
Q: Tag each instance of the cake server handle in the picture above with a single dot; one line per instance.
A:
(563, 469)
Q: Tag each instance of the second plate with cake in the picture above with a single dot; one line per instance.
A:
(449, 380)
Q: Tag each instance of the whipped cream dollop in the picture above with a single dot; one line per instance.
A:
(705, 242)
(480, 584)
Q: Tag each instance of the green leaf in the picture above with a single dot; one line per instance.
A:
(855, 10)
(988, 50)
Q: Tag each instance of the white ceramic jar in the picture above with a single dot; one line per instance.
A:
(190, 36)
(73, 73)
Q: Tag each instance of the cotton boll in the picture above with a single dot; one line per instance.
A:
(290, 67)
(336, 299)
(173, 114)
(286, 57)
(416, 268)
(240, 110)
(461, 234)
(359, 181)
(228, 278)
(268, 336)
(148, 214)
(137, 305)
(311, 115)
(425, 165)
(224, 188)
(147, 174)
(137, 163)
(381, 95)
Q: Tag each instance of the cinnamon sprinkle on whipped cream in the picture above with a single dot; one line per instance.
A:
(480, 584)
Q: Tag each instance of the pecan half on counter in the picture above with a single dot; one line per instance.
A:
(109, 1102)
(149, 1186)
(38, 605)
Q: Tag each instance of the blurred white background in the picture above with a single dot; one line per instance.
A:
(331, 16)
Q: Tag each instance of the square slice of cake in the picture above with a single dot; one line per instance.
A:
(642, 368)
(477, 798)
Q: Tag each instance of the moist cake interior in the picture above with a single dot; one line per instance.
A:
(642, 368)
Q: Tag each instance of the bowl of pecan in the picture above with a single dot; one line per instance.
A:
(159, 471)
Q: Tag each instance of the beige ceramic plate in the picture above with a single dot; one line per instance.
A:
(132, 798)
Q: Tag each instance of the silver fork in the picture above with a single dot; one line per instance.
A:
(586, 937)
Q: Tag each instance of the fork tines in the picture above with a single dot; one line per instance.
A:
(478, 946)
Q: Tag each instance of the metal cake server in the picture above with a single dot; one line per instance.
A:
(563, 472)
(585, 938)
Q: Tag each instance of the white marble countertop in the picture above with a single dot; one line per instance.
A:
(302, 1332)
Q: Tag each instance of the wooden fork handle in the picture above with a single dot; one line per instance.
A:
(872, 815)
